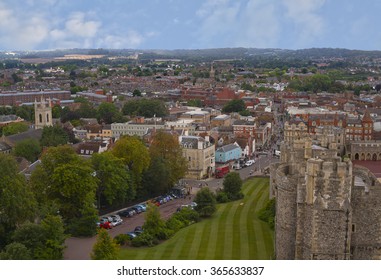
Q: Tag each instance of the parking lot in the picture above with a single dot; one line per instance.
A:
(80, 248)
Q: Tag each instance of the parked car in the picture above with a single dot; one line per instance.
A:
(137, 209)
(116, 220)
(132, 210)
(157, 201)
(131, 234)
(105, 225)
(143, 206)
(250, 162)
(193, 204)
(125, 213)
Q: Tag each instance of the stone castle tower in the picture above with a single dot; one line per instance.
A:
(42, 113)
(325, 207)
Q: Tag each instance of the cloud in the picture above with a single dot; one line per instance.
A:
(309, 25)
(129, 39)
(259, 26)
(18, 31)
(240, 24)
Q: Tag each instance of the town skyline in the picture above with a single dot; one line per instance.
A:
(168, 24)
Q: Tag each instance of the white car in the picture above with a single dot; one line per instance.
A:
(250, 162)
(116, 220)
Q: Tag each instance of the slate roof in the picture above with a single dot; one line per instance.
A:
(31, 133)
(227, 148)
(8, 118)
(191, 142)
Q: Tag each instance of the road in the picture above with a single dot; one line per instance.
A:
(80, 248)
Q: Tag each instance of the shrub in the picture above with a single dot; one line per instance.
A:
(222, 197)
(175, 224)
(122, 239)
(206, 202)
(144, 239)
(187, 216)
(267, 213)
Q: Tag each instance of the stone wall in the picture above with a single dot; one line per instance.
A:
(366, 222)
(285, 214)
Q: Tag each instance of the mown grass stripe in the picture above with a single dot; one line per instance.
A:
(260, 240)
(229, 232)
(234, 232)
(203, 244)
(237, 228)
(188, 240)
(220, 237)
(212, 244)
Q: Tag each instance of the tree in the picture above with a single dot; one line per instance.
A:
(15, 251)
(145, 107)
(137, 92)
(206, 202)
(133, 154)
(73, 187)
(45, 241)
(64, 182)
(235, 105)
(15, 128)
(156, 180)
(105, 248)
(154, 225)
(195, 103)
(25, 112)
(17, 203)
(53, 136)
(232, 186)
(108, 113)
(56, 111)
(28, 148)
(114, 181)
(166, 147)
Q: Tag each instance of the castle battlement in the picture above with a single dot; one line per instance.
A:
(320, 212)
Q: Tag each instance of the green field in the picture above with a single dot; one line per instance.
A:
(233, 233)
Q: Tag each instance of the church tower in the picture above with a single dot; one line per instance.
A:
(42, 113)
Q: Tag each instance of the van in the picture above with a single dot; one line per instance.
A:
(277, 153)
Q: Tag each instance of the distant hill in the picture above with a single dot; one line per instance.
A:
(204, 54)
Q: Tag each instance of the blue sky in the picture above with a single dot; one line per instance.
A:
(189, 24)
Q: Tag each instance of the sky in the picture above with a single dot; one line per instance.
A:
(189, 24)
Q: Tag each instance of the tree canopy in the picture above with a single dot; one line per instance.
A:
(28, 148)
(206, 202)
(53, 136)
(232, 185)
(105, 248)
(167, 148)
(114, 181)
(145, 107)
(235, 105)
(64, 182)
(15, 128)
(133, 153)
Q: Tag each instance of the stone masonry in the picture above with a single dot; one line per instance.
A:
(326, 209)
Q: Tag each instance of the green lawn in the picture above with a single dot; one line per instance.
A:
(233, 233)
